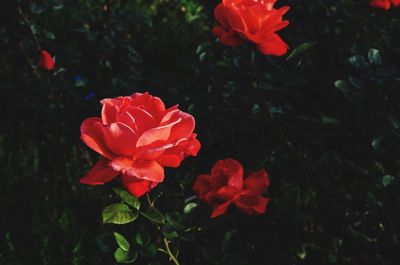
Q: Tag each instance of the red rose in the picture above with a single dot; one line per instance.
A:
(225, 186)
(137, 137)
(45, 60)
(385, 4)
(251, 20)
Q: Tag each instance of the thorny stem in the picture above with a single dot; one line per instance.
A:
(28, 25)
(151, 204)
(172, 257)
(167, 250)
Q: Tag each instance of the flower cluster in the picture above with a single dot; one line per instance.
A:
(385, 4)
(225, 186)
(255, 21)
(137, 137)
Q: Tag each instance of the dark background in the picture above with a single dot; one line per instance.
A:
(323, 121)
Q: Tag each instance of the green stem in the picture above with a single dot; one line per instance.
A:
(170, 253)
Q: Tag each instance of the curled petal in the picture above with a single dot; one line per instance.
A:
(92, 136)
(147, 170)
(151, 104)
(161, 133)
(172, 157)
(229, 171)
(143, 119)
(182, 129)
(100, 173)
(194, 146)
(127, 119)
(109, 110)
(257, 182)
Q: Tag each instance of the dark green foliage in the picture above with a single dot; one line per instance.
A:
(324, 121)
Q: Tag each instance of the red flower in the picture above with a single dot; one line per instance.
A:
(137, 137)
(45, 60)
(385, 4)
(251, 20)
(225, 186)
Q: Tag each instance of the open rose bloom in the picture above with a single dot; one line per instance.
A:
(254, 21)
(225, 186)
(137, 137)
(385, 4)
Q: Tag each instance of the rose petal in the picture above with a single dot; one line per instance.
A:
(136, 187)
(385, 4)
(219, 14)
(257, 182)
(92, 136)
(161, 133)
(182, 129)
(193, 146)
(220, 209)
(229, 171)
(120, 139)
(149, 170)
(218, 31)
(127, 119)
(109, 110)
(143, 119)
(46, 61)
(225, 193)
(202, 186)
(100, 173)
(273, 46)
(151, 104)
(231, 38)
(253, 205)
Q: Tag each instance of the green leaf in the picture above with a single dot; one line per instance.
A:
(142, 239)
(104, 241)
(358, 61)
(128, 198)
(228, 239)
(118, 213)
(343, 86)
(329, 120)
(377, 142)
(150, 251)
(35, 8)
(189, 207)
(374, 56)
(50, 35)
(387, 179)
(300, 49)
(153, 215)
(355, 82)
(302, 253)
(122, 256)
(57, 4)
(170, 234)
(121, 241)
